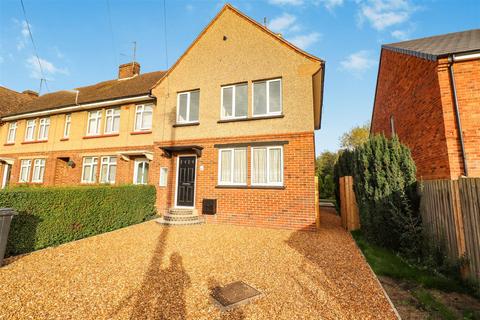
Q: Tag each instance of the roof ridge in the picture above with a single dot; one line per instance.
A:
(430, 37)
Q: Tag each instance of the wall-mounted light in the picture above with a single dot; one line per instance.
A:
(71, 164)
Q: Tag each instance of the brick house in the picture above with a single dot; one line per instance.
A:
(232, 120)
(428, 94)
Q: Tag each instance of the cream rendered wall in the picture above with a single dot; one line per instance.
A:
(77, 132)
(248, 54)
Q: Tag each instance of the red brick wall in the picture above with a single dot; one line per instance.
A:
(408, 89)
(467, 80)
(292, 207)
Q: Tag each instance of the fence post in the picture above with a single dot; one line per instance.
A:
(317, 203)
(348, 204)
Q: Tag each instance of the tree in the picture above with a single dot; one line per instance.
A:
(355, 137)
(324, 171)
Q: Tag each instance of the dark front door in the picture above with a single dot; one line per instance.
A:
(186, 181)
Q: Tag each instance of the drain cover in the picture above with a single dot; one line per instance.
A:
(234, 294)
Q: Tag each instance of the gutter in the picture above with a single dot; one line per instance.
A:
(451, 60)
(78, 107)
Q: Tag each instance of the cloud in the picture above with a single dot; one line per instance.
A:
(400, 34)
(189, 7)
(382, 14)
(48, 67)
(304, 41)
(358, 62)
(282, 23)
(22, 40)
(286, 2)
(331, 4)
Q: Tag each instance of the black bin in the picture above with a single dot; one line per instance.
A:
(6, 215)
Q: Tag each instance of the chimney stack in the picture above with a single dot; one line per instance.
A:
(128, 70)
(31, 93)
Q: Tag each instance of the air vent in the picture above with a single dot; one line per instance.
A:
(209, 206)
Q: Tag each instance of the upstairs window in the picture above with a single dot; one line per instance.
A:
(233, 166)
(235, 101)
(143, 117)
(12, 132)
(89, 170)
(267, 166)
(108, 169)
(43, 128)
(188, 106)
(25, 166)
(112, 121)
(30, 130)
(267, 97)
(38, 170)
(68, 123)
(93, 125)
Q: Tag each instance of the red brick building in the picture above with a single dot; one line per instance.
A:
(230, 124)
(428, 94)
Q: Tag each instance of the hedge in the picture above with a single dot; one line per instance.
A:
(49, 216)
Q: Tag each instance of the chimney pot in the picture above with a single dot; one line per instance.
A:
(128, 70)
(31, 93)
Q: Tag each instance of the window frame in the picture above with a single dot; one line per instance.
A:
(232, 169)
(98, 119)
(38, 163)
(28, 168)
(43, 124)
(188, 93)
(135, 170)
(164, 175)
(268, 183)
(267, 98)
(33, 126)
(141, 114)
(12, 126)
(109, 163)
(111, 117)
(93, 173)
(234, 101)
(67, 125)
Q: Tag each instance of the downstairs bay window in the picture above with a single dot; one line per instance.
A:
(25, 166)
(38, 170)
(140, 172)
(89, 170)
(267, 166)
(232, 169)
(108, 169)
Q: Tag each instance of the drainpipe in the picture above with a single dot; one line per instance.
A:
(451, 59)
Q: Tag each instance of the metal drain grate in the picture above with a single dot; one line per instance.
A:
(234, 294)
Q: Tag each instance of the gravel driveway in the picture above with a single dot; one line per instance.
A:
(152, 272)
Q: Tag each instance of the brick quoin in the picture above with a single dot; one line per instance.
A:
(417, 93)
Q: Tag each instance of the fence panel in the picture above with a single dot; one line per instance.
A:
(348, 204)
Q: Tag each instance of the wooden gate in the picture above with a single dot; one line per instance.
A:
(348, 204)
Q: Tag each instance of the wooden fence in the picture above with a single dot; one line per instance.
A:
(451, 215)
(348, 204)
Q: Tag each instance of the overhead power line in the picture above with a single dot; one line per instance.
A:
(43, 79)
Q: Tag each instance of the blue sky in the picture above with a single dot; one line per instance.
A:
(82, 42)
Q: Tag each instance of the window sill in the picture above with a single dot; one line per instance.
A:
(34, 141)
(64, 139)
(251, 118)
(188, 124)
(141, 132)
(102, 136)
(9, 144)
(220, 186)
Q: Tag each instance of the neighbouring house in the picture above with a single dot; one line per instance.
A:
(229, 128)
(428, 94)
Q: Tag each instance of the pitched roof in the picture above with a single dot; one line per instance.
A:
(435, 47)
(11, 101)
(102, 91)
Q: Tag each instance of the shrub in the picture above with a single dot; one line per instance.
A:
(50, 216)
(343, 167)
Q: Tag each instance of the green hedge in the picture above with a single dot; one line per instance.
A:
(50, 216)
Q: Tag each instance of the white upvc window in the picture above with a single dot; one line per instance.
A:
(232, 166)
(112, 120)
(267, 97)
(68, 124)
(143, 117)
(188, 104)
(12, 132)
(163, 176)
(108, 169)
(25, 166)
(43, 128)
(140, 172)
(38, 170)
(267, 166)
(93, 125)
(89, 170)
(234, 101)
(30, 130)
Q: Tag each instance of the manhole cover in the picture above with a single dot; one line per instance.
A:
(234, 294)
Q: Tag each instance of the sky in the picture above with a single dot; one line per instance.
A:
(83, 42)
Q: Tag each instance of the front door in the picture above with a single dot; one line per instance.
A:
(7, 169)
(186, 182)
